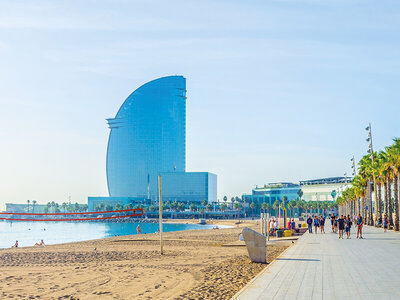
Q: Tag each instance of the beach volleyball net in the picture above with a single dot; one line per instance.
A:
(80, 216)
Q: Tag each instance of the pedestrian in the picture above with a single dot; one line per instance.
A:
(272, 227)
(316, 224)
(138, 229)
(333, 223)
(322, 224)
(348, 226)
(341, 226)
(289, 225)
(293, 226)
(309, 223)
(385, 223)
(359, 226)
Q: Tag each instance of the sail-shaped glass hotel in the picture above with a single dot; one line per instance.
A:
(147, 139)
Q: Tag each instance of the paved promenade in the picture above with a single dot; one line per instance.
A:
(324, 267)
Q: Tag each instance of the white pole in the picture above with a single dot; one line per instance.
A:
(160, 216)
(267, 226)
(261, 223)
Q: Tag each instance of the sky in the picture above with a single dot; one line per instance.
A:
(277, 90)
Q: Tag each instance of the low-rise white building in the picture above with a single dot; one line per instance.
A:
(325, 189)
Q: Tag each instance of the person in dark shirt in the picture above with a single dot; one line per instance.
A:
(341, 226)
(316, 224)
(348, 226)
(309, 223)
(322, 224)
(333, 223)
(359, 226)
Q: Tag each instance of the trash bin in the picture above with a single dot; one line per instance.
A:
(287, 233)
(279, 233)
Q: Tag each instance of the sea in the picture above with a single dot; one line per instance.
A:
(29, 233)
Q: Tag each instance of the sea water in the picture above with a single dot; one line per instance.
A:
(29, 233)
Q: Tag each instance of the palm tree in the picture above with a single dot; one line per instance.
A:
(394, 157)
(264, 206)
(33, 205)
(28, 201)
(209, 207)
(252, 206)
(232, 200)
(152, 208)
(64, 206)
(237, 205)
(367, 176)
(300, 193)
(386, 170)
(225, 199)
(128, 206)
(276, 206)
(53, 205)
(84, 207)
(193, 207)
(204, 202)
(223, 207)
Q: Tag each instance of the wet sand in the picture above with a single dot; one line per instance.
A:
(195, 266)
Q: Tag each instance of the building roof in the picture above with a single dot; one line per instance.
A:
(330, 180)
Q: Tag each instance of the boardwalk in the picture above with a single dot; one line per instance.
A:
(324, 267)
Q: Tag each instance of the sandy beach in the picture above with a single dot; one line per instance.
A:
(195, 265)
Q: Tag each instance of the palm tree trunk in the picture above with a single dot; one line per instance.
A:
(396, 202)
(378, 200)
(390, 206)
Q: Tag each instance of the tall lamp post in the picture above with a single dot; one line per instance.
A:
(377, 204)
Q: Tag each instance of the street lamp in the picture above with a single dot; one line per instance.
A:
(353, 166)
(371, 151)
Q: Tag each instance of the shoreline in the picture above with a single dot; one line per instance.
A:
(130, 267)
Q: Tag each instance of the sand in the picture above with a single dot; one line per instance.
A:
(195, 266)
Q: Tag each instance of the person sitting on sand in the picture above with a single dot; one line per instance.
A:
(138, 229)
(15, 245)
(41, 244)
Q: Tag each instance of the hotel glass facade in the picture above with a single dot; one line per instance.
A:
(147, 139)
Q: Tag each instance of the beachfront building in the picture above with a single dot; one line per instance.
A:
(148, 139)
(324, 189)
(24, 208)
(271, 192)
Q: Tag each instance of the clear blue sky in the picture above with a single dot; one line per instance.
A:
(277, 90)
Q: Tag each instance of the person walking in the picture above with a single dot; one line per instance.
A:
(316, 224)
(322, 224)
(348, 226)
(359, 226)
(341, 226)
(385, 223)
(309, 223)
(333, 223)
(293, 225)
